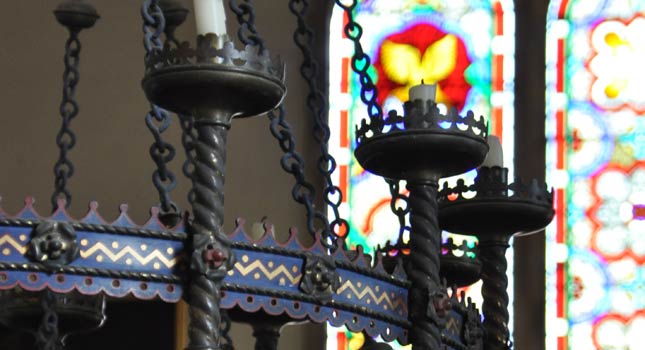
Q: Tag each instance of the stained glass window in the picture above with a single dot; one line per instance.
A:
(465, 46)
(596, 161)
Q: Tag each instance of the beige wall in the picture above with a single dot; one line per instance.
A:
(111, 155)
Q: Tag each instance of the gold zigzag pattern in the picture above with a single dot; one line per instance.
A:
(7, 239)
(155, 254)
(368, 290)
(452, 325)
(271, 275)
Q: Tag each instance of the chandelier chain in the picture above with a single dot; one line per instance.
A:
(292, 162)
(66, 139)
(245, 14)
(361, 61)
(157, 119)
(400, 206)
(303, 37)
(47, 336)
(225, 328)
(154, 24)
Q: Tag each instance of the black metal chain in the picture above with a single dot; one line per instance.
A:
(157, 119)
(225, 328)
(400, 206)
(361, 61)
(303, 37)
(154, 24)
(245, 14)
(47, 336)
(66, 139)
(303, 191)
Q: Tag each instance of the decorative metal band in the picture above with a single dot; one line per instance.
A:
(286, 297)
(275, 303)
(112, 283)
(285, 274)
(94, 222)
(116, 258)
(79, 226)
(270, 275)
(495, 283)
(148, 256)
(88, 271)
(364, 270)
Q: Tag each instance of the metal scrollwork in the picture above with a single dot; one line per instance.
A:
(53, 244)
(439, 306)
(210, 258)
(473, 332)
(319, 278)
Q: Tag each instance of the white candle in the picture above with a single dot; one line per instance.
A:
(495, 156)
(210, 16)
(423, 92)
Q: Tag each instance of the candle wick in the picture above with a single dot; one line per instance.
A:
(423, 82)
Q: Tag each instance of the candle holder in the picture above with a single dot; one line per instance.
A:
(421, 147)
(460, 264)
(213, 83)
(496, 212)
(215, 79)
(23, 310)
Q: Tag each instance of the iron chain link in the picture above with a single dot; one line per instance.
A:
(399, 204)
(154, 25)
(361, 61)
(303, 191)
(303, 37)
(66, 139)
(157, 119)
(47, 336)
(245, 14)
(225, 328)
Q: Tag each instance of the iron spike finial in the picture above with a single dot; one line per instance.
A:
(76, 14)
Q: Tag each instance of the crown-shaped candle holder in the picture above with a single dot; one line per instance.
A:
(420, 147)
(214, 78)
(209, 85)
(494, 210)
(460, 263)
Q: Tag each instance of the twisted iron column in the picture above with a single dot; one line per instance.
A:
(212, 255)
(423, 266)
(494, 285)
(266, 336)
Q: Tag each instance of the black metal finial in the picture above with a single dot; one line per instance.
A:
(175, 12)
(76, 14)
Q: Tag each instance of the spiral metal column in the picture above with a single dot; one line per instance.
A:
(212, 255)
(266, 336)
(423, 267)
(494, 285)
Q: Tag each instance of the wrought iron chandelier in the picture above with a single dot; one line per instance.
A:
(52, 286)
